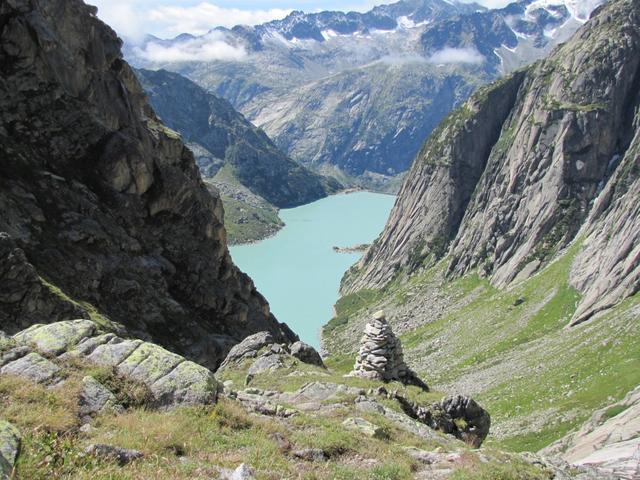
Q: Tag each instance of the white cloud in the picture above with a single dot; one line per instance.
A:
(491, 3)
(457, 55)
(212, 46)
(122, 16)
(201, 18)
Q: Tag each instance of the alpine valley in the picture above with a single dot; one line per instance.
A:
(491, 331)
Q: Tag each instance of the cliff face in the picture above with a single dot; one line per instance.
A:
(529, 165)
(102, 205)
(229, 139)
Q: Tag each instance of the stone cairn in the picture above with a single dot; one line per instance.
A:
(380, 356)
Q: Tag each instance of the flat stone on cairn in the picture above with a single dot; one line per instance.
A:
(380, 356)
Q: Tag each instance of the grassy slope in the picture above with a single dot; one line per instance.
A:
(537, 378)
(188, 443)
(245, 221)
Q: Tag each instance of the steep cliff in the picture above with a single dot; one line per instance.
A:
(229, 139)
(526, 167)
(104, 206)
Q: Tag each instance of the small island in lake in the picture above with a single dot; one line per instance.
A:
(360, 248)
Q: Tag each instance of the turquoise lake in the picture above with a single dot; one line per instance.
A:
(298, 271)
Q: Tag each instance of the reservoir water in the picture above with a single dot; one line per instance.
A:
(298, 271)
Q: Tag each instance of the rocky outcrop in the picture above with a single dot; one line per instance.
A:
(380, 356)
(228, 139)
(268, 353)
(104, 203)
(609, 441)
(456, 415)
(38, 354)
(306, 354)
(509, 179)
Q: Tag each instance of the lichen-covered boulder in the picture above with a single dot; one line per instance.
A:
(32, 366)
(171, 379)
(56, 338)
(9, 448)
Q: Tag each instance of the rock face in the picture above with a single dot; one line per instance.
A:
(380, 356)
(514, 175)
(103, 207)
(609, 441)
(171, 379)
(228, 139)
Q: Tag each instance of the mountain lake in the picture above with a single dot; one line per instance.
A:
(298, 270)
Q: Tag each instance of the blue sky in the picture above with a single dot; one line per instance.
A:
(132, 19)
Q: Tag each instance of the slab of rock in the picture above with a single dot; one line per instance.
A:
(171, 379)
(56, 338)
(9, 448)
(363, 426)
(306, 353)
(94, 397)
(122, 456)
(32, 366)
(380, 356)
(267, 363)
(607, 442)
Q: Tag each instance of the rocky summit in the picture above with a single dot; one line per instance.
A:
(104, 212)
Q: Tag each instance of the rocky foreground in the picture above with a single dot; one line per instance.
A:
(82, 403)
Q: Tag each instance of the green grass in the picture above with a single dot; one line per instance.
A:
(247, 223)
(614, 411)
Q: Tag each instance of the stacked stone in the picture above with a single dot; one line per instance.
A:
(380, 356)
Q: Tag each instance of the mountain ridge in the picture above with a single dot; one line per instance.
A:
(294, 77)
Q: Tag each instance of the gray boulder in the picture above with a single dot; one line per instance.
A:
(311, 455)
(248, 348)
(32, 366)
(243, 472)
(56, 338)
(267, 363)
(9, 449)
(363, 426)
(94, 397)
(122, 456)
(471, 420)
(306, 353)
